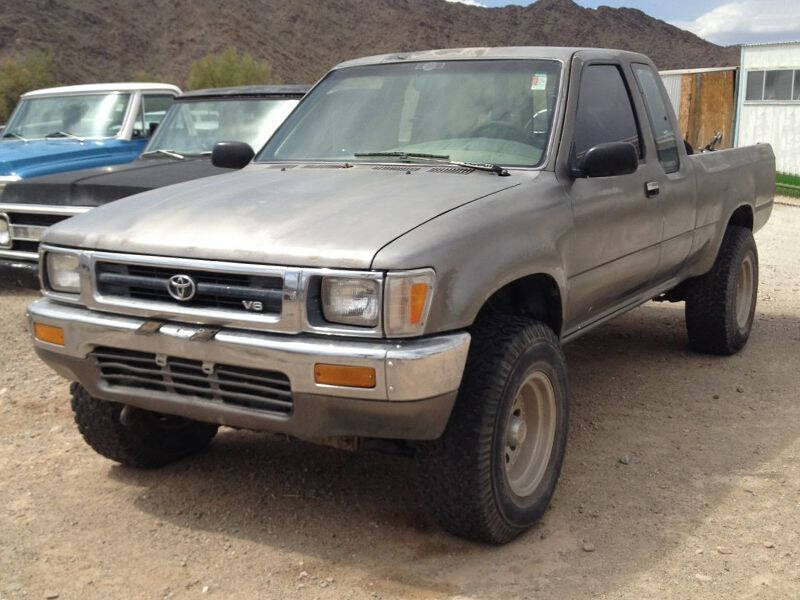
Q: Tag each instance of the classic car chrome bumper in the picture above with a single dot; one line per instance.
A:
(416, 380)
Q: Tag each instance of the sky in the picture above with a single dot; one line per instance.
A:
(723, 22)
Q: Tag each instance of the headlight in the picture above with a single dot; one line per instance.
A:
(5, 232)
(407, 301)
(350, 301)
(62, 272)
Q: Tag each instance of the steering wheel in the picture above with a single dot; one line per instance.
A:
(501, 130)
(536, 118)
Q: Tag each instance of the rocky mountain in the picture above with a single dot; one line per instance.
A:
(105, 40)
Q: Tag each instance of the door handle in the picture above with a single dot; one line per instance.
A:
(651, 188)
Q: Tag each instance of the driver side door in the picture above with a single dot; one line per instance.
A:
(614, 247)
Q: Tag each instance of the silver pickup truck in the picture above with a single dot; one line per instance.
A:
(400, 264)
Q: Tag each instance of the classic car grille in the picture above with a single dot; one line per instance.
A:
(27, 228)
(226, 384)
(225, 291)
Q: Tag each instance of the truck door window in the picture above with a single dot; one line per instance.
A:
(663, 133)
(604, 111)
(154, 107)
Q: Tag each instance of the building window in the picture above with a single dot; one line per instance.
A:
(755, 85)
(777, 85)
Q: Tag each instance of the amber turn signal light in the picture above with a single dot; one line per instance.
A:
(49, 334)
(346, 375)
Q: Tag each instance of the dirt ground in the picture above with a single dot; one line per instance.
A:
(706, 506)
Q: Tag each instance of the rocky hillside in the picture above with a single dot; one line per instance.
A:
(103, 40)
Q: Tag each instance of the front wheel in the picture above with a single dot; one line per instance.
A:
(494, 470)
(141, 438)
(721, 305)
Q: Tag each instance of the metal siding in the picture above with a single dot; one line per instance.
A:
(774, 123)
(673, 84)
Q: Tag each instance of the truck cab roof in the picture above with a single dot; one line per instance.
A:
(101, 88)
(559, 53)
(248, 91)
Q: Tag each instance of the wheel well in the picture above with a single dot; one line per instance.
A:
(534, 296)
(743, 217)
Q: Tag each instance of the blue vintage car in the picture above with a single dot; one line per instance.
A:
(82, 126)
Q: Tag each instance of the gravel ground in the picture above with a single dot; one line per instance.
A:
(681, 481)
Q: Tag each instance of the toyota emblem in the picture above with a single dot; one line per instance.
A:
(181, 287)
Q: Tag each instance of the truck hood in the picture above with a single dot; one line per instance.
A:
(98, 186)
(17, 157)
(304, 215)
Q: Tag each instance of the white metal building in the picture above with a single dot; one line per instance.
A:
(768, 103)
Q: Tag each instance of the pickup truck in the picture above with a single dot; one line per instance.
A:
(399, 267)
(80, 126)
(179, 150)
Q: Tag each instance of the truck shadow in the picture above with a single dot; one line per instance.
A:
(658, 438)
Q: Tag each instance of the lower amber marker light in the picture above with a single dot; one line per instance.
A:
(48, 333)
(344, 375)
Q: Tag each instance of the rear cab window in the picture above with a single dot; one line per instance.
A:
(658, 115)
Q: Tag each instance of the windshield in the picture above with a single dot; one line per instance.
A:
(490, 111)
(84, 116)
(193, 127)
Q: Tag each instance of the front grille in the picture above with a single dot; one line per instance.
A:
(225, 291)
(45, 220)
(250, 388)
(27, 229)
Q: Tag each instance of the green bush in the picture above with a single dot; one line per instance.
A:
(30, 71)
(227, 68)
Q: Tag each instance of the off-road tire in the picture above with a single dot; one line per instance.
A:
(711, 300)
(146, 439)
(463, 473)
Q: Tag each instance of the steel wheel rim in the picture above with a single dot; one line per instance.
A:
(744, 291)
(529, 434)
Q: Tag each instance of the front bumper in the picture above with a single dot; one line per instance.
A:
(19, 272)
(416, 379)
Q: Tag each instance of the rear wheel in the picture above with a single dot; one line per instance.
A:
(720, 305)
(494, 470)
(138, 438)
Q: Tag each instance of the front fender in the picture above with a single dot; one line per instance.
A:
(484, 245)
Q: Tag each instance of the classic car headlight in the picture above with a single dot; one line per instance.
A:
(62, 272)
(407, 301)
(351, 301)
(5, 232)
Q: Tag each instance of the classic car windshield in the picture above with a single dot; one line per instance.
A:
(79, 115)
(483, 111)
(194, 126)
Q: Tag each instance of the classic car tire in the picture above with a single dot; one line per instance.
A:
(721, 304)
(146, 439)
(494, 470)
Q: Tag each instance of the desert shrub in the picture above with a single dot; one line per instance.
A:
(22, 74)
(228, 68)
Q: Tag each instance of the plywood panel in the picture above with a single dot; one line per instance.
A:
(707, 101)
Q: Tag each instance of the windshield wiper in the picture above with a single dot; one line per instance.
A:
(15, 135)
(491, 167)
(501, 171)
(397, 154)
(64, 134)
(170, 153)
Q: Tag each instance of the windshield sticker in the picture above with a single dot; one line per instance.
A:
(539, 82)
(429, 66)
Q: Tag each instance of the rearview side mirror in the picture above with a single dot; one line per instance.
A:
(607, 160)
(231, 155)
(152, 129)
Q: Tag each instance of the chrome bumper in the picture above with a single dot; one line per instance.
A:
(416, 379)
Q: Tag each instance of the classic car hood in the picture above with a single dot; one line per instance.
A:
(16, 156)
(95, 187)
(325, 216)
